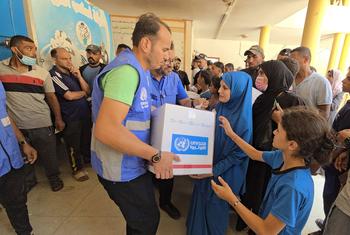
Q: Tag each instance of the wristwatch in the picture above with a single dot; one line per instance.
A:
(156, 157)
(347, 142)
(22, 142)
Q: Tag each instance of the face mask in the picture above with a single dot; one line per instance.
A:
(26, 60)
(260, 85)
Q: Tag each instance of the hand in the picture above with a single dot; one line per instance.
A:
(75, 71)
(224, 192)
(164, 168)
(201, 176)
(60, 125)
(226, 125)
(341, 162)
(30, 153)
(201, 103)
(342, 135)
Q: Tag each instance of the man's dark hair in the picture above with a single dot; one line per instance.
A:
(304, 51)
(215, 82)
(291, 64)
(177, 59)
(285, 52)
(209, 62)
(124, 46)
(18, 39)
(147, 25)
(53, 53)
(230, 66)
(206, 76)
(220, 65)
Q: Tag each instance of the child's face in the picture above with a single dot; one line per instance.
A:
(280, 140)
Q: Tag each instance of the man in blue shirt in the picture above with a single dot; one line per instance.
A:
(13, 193)
(168, 89)
(71, 90)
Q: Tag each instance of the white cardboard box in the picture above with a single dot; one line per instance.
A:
(187, 132)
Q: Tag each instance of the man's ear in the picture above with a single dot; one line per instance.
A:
(145, 45)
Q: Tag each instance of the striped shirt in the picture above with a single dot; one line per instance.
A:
(25, 93)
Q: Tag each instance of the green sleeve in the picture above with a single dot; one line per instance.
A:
(120, 84)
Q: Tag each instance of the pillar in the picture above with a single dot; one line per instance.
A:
(338, 40)
(264, 36)
(312, 28)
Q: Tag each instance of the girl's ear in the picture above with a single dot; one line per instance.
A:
(292, 146)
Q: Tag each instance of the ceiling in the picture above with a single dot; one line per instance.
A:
(246, 17)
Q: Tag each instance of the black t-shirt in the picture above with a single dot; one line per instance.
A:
(183, 77)
(342, 120)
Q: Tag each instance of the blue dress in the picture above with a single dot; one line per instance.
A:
(208, 214)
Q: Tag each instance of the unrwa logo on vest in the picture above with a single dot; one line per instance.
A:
(182, 144)
(143, 95)
(143, 98)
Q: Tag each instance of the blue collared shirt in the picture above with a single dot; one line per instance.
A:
(168, 90)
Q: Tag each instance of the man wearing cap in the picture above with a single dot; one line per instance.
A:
(72, 90)
(255, 56)
(90, 70)
(202, 65)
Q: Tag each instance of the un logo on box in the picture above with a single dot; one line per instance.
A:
(191, 145)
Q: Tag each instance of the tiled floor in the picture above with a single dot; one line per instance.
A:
(85, 209)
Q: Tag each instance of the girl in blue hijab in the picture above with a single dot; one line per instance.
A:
(209, 215)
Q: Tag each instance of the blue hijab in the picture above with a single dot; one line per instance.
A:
(238, 111)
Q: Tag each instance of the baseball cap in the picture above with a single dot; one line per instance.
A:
(93, 48)
(255, 50)
(201, 56)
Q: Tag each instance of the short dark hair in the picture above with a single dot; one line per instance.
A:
(220, 65)
(205, 75)
(124, 46)
(215, 82)
(147, 25)
(172, 46)
(314, 139)
(17, 39)
(304, 51)
(230, 66)
(209, 62)
(291, 64)
(177, 59)
(285, 52)
(53, 53)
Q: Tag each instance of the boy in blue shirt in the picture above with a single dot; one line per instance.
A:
(301, 136)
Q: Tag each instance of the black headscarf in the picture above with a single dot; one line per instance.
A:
(279, 79)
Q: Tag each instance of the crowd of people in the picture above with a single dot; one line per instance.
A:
(277, 123)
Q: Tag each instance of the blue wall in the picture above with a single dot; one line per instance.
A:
(13, 22)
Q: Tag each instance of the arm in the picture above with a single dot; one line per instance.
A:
(28, 150)
(110, 131)
(74, 95)
(269, 225)
(84, 86)
(247, 148)
(324, 110)
(55, 107)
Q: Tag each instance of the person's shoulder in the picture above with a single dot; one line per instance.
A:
(41, 71)
(318, 78)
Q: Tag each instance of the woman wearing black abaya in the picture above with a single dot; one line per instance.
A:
(273, 79)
